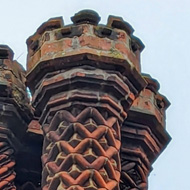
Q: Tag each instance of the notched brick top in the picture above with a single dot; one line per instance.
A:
(53, 40)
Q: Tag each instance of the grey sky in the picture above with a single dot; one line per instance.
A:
(164, 27)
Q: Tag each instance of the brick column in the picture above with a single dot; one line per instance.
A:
(144, 136)
(14, 115)
(83, 78)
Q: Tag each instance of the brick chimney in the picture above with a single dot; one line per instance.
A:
(15, 114)
(83, 78)
(102, 121)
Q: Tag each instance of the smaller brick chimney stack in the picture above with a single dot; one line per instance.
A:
(15, 115)
(144, 136)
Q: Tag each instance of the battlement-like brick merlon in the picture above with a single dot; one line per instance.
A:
(54, 41)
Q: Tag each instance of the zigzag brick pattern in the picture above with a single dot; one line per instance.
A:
(87, 151)
(7, 162)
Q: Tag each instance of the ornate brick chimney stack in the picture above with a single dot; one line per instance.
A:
(83, 78)
(103, 121)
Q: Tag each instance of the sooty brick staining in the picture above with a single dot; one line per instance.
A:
(94, 121)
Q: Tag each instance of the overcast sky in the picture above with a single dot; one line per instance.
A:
(164, 27)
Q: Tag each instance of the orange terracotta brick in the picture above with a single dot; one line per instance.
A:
(51, 48)
(95, 42)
